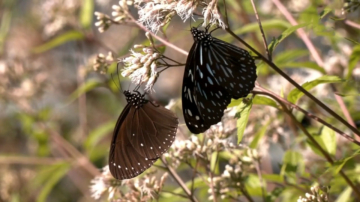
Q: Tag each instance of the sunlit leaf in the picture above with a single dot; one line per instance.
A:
(87, 86)
(326, 140)
(353, 60)
(285, 34)
(86, 13)
(258, 135)
(309, 65)
(59, 40)
(262, 100)
(296, 94)
(243, 112)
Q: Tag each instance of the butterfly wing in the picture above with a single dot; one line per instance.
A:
(234, 68)
(154, 131)
(204, 99)
(147, 126)
(193, 119)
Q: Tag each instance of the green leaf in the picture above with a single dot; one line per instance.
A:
(326, 11)
(292, 164)
(262, 100)
(243, 112)
(235, 103)
(326, 140)
(57, 41)
(97, 134)
(345, 195)
(254, 143)
(254, 27)
(296, 94)
(214, 163)
(310, 65)
(353, 60)
(329, 138)
(87, 86)
(289, 55)
(49, 177)
(337, 166)
(285, 34)
(86, 13)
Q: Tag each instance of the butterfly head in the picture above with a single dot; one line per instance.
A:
(201, 36)
(135, 99)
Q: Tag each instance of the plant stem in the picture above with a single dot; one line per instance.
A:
(308, 114)
(178, 180)
(318, 146)
(283, 74)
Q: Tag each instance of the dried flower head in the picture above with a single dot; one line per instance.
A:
(142, 67)
(316, 195)
(156, 14)
(212, 15)
(120, 15)
(102, 62)
(144, 188)
(56, 14)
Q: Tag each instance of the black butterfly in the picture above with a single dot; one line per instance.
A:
(143, 132)
(215, 72)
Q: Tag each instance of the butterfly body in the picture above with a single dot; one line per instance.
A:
(215, 72)
(143, 132)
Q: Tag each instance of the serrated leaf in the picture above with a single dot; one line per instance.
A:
(87, 86)
(353, 60)
(285, 34)
(296, 94)
(262, 100)
(59, 40)
(243, 112)
(86, 13)
(254, 143)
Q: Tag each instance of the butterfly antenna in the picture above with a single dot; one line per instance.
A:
(117, 72)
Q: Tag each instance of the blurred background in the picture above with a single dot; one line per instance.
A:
(57, 114)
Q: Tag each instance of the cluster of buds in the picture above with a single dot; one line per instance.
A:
(350, 6)
(142, 67)
(316, 195)
(102, 62)
(120, 15)
(103, 21)
(139, 189)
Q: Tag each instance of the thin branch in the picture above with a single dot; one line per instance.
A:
(178, 180)
(318, 146)
(308, 114)
(317, 58)
(262, 31)
(352, 24)
(258, 170)
(283, 74)
(8, 160)
(157, 37)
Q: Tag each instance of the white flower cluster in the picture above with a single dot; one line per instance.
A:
(142, 67)
(157, 13)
